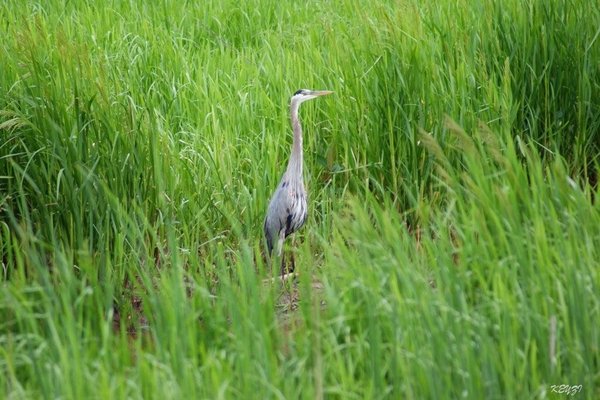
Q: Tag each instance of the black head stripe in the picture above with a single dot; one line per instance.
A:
(299, 92)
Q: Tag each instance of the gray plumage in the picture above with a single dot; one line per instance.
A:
(288, 208)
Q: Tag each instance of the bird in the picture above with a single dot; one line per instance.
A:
(288, 209)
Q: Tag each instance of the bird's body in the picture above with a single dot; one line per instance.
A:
(288, 209)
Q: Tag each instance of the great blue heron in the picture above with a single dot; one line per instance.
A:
(287, 209)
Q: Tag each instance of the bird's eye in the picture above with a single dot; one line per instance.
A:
(298, 92)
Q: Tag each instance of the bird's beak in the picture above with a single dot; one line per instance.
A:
(321, 92)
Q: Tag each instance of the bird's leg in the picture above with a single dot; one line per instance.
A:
(283, 268)
(280, 243)
(292, 267)
(293, 261)
(281, 251)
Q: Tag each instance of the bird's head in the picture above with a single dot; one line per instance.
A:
(305, 94)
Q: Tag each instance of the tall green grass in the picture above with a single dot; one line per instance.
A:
(451, 248)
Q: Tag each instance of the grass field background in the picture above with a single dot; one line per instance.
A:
(452, 248)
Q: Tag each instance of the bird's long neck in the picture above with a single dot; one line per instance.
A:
(295, 164)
